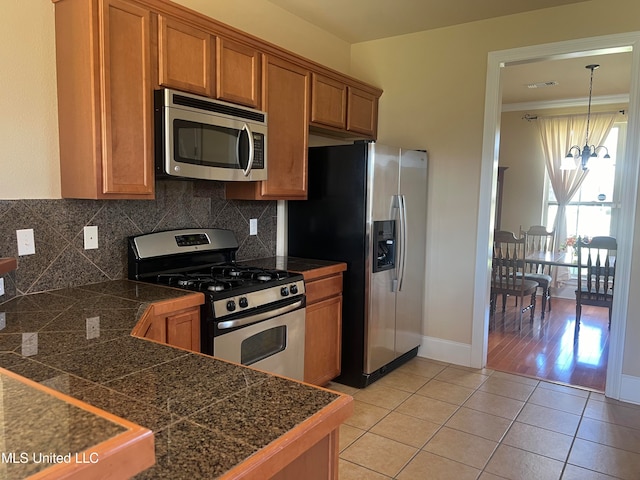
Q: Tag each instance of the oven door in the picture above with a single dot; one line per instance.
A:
(274, 344)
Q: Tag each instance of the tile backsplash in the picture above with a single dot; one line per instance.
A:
(61, 261)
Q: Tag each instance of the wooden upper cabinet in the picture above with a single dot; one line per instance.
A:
(185, 57)
(362, 112)
(127, 102)
(238, 73)
(339, 107)
(286, 91)
(111, 54)
(328, 101)
(105, 100)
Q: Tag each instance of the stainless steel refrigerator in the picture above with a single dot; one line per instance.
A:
(367, 207)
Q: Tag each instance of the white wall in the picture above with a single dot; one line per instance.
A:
(434, 89)
(29, 158)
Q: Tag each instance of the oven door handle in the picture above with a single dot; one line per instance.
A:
(243, 322)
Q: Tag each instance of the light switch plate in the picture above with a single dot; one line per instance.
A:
(26, 242)
(1, 286)
(90, 237)
(253, 226)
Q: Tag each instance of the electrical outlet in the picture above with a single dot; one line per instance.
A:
(26, 242)
(253, 226)
(90, 237)
(1, 286)
(3, 320)
(93, 327)
(29, 344)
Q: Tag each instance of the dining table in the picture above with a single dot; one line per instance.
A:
(558, 259)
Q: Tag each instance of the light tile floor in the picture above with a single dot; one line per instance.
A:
(431, 420)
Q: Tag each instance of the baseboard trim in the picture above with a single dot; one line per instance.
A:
(630, 389)
(445, 351)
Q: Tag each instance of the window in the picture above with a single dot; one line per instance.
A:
(594, 208)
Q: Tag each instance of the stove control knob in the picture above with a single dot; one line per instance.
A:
(284, 291)
(293, 289)
(231, 305)
(243, 302)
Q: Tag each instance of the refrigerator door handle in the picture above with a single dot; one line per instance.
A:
(403, 240)
(396, 214)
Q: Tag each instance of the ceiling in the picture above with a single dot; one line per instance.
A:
(363, 20)
(611, 79)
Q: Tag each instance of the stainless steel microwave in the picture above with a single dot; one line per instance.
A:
(198, 137)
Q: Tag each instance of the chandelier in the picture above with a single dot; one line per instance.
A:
(588, 151)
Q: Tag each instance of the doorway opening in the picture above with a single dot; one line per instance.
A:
(493, 102)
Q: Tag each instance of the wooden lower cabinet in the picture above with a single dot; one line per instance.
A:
(323, 329)
(178, 328)
(183, 329)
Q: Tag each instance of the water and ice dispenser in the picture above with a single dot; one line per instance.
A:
(384, 237)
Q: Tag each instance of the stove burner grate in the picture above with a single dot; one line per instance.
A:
(220, 278)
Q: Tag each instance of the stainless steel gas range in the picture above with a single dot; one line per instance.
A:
(251, 316)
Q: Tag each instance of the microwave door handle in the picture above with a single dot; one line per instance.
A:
(251, 149)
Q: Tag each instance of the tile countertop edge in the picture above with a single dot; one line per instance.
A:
(271, 459)
(318, 431)
(8, 264)
(126, 454)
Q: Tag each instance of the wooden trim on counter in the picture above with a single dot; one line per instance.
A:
(320, 271)
(8, 264)
(318, 436)
(163, 307)
(122, 456)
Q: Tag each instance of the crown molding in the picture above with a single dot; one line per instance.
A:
(566, 103)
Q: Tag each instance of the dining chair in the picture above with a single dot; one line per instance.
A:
(540, 242)
(596, 272)
(507, 273)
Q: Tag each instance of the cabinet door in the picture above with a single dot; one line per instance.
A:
(238, 73)
(286, 94)
(184, 57)
(287, 100)
(362, 112)
(183, 329)
(323, 337)
(328, 101)
(156, 330)
(126, 97)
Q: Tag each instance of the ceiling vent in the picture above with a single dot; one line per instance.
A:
(552, 83)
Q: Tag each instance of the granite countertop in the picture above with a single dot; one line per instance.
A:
(207, 415)
(310, 268)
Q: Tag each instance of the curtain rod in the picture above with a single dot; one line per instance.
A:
(528, 117)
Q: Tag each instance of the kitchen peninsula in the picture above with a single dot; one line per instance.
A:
(209, 418)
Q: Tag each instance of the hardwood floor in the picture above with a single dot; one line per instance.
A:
(546, 350)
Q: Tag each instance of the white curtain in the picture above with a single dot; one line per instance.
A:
(558, 135)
